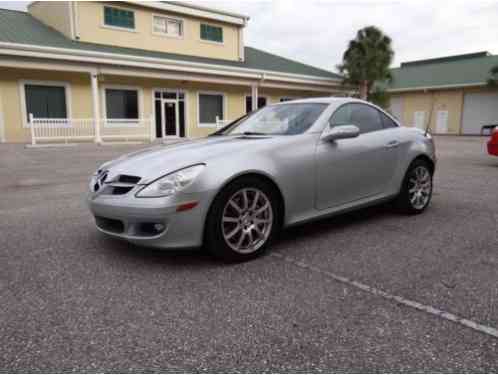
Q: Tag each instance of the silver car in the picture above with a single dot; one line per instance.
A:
(286, 164)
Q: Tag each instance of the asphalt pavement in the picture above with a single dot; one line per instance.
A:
(72, 300)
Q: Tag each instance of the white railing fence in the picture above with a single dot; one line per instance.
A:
(221, 123)
(51, 130)
(142, 129)
(61, 130)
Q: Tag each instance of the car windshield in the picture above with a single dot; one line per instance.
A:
(283, 119)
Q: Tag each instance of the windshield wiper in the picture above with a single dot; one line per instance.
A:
(254, 133)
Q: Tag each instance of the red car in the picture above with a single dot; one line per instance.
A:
(493, 143)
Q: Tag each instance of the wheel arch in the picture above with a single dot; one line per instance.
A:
(263, 176)
(257, 174)
(426, 159)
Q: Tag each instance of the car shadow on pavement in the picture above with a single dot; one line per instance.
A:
(333, 224)
(200, 258)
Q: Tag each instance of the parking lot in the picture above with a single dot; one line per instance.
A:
(73, 300)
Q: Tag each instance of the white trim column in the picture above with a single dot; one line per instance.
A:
(254, 97)
(2, 122)
(96, 108)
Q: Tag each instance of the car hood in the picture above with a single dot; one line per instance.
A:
(157, 161)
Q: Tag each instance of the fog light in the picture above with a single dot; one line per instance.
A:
(151, 229)
(159, 227)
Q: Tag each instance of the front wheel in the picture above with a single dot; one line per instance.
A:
(416, 192)
(243, 219)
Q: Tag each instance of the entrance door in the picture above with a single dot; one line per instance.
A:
(170, 113)
(170, 118)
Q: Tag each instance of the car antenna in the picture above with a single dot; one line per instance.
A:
(430, 115)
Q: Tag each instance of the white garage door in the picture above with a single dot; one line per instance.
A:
(479, 109)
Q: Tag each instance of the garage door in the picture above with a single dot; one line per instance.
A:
(479, 109)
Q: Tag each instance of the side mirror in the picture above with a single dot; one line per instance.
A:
(341, 132)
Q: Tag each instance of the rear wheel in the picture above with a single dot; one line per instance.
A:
(416, 192)
(243, 219)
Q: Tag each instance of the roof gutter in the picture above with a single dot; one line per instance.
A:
(437, 87)
(29, 50)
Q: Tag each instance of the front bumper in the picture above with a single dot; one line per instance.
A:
(140, 220)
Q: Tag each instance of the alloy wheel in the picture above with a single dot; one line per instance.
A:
(247, 220)
(420, 187)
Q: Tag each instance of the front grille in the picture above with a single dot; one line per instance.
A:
(109, 225)
(120, 190)
(128, 179)
(120, 185)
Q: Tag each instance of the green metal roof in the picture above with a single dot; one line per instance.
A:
(22, 28)
(457, 70)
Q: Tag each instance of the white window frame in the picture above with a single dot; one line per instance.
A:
(224, 108)
(212, 41)
(121, 123)
(22, 91)
(103, 24)
(259, 96)
(166, 35)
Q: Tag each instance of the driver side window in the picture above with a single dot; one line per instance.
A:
(342, 116)
(366, 118)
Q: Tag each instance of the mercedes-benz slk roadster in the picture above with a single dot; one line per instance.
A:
(282, 165)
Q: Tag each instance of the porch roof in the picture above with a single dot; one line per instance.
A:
(21, 28)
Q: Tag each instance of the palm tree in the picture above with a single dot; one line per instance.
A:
(493, 79)
(367, 60)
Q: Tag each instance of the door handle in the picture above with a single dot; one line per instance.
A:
(392, 144)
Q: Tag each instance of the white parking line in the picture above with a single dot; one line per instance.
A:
(406, 302)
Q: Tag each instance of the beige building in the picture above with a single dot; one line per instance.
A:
(111, 70)
(450, 92)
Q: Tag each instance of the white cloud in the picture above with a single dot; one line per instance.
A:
(317, 31)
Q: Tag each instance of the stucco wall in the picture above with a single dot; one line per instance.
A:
(448, 100)
(55, 14)
(90, 28)
(80, 98)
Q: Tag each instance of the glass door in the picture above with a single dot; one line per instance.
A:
(170, 118)
(169, 113)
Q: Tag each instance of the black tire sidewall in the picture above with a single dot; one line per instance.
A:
(214, 239)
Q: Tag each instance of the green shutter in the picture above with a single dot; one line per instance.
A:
(119, 17)
(212, 33)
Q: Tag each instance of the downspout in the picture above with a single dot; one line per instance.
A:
(74, 13)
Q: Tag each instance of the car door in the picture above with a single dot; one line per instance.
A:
(356, 168)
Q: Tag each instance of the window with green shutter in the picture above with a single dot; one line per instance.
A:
(46, 101)
(117, 17)
(212, 33)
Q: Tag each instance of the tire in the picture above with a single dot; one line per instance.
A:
(232, 216)
(413, 199)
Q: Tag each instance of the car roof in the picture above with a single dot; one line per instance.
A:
(325, 100)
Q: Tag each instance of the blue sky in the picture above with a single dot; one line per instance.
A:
(317, 31)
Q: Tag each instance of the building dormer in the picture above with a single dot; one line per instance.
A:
(171, 27)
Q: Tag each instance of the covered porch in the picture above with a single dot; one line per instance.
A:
(51, 102)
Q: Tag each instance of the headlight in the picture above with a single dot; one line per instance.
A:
(171, 183)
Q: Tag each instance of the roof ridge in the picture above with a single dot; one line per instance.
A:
(294, 61)
(14, 10)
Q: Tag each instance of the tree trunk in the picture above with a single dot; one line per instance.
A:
(364, 90)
